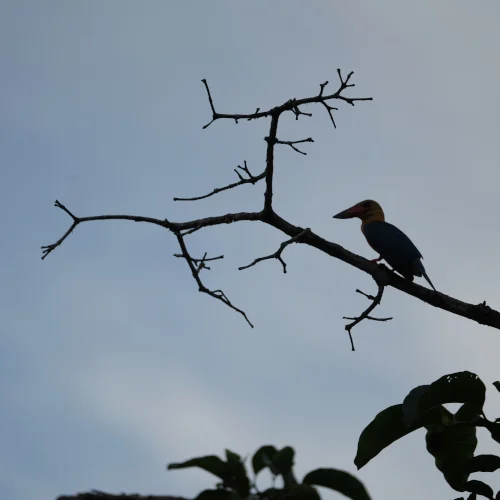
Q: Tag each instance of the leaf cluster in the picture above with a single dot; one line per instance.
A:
(235, 483)
(451, 438)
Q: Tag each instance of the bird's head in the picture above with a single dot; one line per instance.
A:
(367, 210)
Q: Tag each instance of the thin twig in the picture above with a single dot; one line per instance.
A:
(277, 254)
(251, 179)
(200, 262)
(369, 297)
(47, 249)
(235, 117)
(292, 105)
(195, 271)
(369, 317)
(299, 112)
(292, 143)
(366, 313)
(330, 109)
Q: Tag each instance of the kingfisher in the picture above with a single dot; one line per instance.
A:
(387, 240)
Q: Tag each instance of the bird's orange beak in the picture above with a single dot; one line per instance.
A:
(354, 211)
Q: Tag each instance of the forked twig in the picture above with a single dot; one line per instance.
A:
(277, 254)
(366, 313)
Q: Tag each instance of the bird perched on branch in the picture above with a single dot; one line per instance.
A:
(387, 240)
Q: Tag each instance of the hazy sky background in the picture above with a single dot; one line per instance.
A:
(111, 363)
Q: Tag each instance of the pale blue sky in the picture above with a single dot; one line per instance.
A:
(111, 363)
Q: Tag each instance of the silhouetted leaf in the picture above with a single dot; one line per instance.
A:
(210, 463)
(411, 404)
(452, 447)
(232, 457)
(467, 412)
(233, 473)
(460, 387)
(494, 429)
(263, 457)
(338, 480)
(382, 431)
(497, 387)
(482, 463)
(479, 488)
(283, 460)
(236, 477)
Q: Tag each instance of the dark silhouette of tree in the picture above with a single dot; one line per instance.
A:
(235, 483)
(382, 275)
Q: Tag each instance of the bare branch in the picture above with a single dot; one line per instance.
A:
(200, 262)
(195, 271)
(297, 112)
(292, 105)
(47, 249)
(330, 109)
(480, 313)
(268, 195)
(183, 227)
(369, 297)
(277, 254)
(235, 117)
(291, 144)
(251, 179)
(322, 88)
(345, 82)
(366, 313)
(191, 231)
(372, 318)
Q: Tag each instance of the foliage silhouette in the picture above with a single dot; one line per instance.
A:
(451, 437)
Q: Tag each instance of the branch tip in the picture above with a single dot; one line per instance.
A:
(366, 313)
(277, 254)
(292, 144)
(243, 180)
(195, 271)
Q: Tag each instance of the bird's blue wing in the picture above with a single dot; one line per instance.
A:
(393, 245)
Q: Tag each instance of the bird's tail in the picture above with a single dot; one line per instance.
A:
(424, 274)
(419, 270)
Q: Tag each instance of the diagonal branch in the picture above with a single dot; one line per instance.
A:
(330, 109)
(366, 313)
(480, 313)
(251, 179)
(277, 254)
(195, 271)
